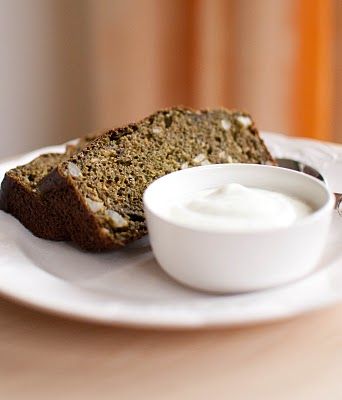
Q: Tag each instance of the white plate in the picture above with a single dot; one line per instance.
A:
(127, 287)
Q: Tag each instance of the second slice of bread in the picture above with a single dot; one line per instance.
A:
(19, 195)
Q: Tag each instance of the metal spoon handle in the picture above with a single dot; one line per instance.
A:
(338, 203)
(307, 169)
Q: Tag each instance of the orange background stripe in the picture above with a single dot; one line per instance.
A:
(313, 80)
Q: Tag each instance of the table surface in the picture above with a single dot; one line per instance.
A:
(46, 357)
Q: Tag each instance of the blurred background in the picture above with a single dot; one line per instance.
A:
(71, 66)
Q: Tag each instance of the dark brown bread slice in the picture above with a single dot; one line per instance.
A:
(98, 191)
(20, 198)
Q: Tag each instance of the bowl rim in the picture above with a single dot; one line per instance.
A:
(326, 208)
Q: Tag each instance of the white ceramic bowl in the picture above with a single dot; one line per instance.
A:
(237, 261)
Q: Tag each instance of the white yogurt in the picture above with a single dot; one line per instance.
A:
(238, 208)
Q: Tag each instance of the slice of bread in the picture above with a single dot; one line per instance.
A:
(98, 191)
(19, 195)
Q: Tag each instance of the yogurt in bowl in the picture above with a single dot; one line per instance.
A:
(237, 227)
(236, 207)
